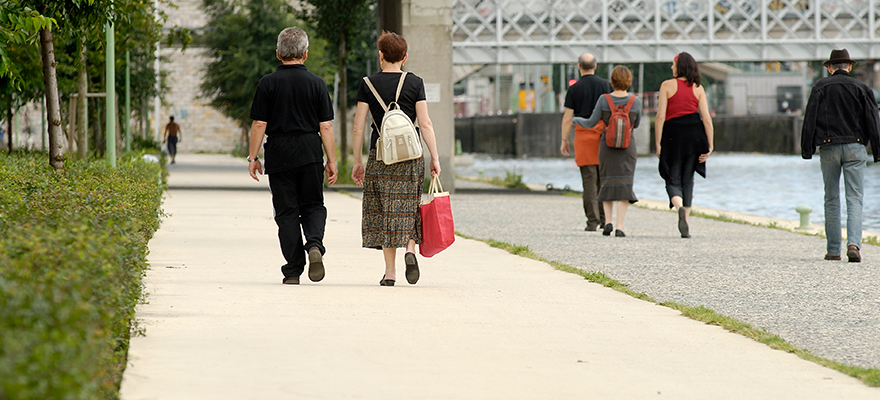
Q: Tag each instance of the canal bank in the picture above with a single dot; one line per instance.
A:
(755, 184)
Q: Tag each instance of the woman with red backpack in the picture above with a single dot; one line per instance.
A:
(621, 113)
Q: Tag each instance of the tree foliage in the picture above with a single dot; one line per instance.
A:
(18, 28)
(240, 38)
(344, 24)
(76, 23)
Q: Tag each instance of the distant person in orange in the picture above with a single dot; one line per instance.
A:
(172, 136)
(684, 135)
(580, 101)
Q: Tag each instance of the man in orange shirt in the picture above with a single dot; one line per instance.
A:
(580, 101)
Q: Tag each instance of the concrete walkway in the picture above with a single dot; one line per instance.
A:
(480, 324)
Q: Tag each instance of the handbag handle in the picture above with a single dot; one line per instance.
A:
(436, 188)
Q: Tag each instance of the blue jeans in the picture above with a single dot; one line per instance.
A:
(851, 158)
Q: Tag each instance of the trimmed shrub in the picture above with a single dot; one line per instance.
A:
(73, 248)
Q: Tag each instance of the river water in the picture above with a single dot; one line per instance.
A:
(764, 185)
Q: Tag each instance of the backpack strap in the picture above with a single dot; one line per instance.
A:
(399, 87)
(379, 98)
(610, 108)
(629, 104)
(376, 94)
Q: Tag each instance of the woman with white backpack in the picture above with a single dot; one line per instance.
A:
(392, 188)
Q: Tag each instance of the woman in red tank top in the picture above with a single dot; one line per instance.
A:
(683, 134)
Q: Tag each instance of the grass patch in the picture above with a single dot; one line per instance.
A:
(511, 180)
(870, 376)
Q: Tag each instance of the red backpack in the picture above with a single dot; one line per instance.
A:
(618, 129)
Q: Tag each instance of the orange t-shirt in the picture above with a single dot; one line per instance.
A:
(586, 144)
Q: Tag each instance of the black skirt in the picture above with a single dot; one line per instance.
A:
(617, 167)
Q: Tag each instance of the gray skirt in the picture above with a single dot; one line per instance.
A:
(617, 168)
(392, 199)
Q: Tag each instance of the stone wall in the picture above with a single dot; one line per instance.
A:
(537, 135)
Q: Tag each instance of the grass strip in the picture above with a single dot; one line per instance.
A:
(870, 376)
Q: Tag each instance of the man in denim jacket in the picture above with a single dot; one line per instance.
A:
(841, 118)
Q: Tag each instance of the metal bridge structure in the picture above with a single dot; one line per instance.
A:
(645, 31)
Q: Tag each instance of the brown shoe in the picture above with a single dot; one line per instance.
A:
(832, 257)
(852, 253)
(290, 280)
(316, 265)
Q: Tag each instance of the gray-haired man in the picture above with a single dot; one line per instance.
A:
(841, 118)
(292, 108)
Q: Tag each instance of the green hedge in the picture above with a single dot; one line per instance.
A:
(73, 248)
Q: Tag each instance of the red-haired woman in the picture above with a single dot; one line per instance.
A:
(617, 167)
(684, 135)
(392, 193)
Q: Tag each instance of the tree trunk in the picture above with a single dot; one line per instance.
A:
(9, 124)
(53, 105)
(343, 102)
(244, 142)
(82, 148)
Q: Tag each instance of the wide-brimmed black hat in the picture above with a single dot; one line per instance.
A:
(838, 57)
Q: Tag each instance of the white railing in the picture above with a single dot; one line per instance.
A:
(553, 31)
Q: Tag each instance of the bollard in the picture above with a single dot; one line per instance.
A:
(804, 211)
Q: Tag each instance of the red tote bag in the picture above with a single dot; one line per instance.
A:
(438, 230)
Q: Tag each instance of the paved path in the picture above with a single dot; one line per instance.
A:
(480, 324)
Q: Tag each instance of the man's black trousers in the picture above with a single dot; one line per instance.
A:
(298, 199)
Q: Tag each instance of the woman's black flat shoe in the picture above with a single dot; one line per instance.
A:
(682, 223)
(619, 233)
(412, 268)
(386, 282)
(607, 230)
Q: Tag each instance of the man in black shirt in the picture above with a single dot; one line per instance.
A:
(841, 118)
(292, 109)
(580, 101)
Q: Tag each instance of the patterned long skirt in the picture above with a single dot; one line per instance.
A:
(392, 198)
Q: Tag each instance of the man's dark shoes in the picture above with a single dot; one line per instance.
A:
(290, 280)
(832, 257)
(412, 268)
(607, 229)
(852, 253)
(316, 265)
(682, 223)
(386, 282)
(591, 228)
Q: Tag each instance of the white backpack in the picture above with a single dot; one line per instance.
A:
(398, 139)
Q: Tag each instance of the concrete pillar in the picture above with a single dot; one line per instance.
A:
(427, 27)
(389, 16)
